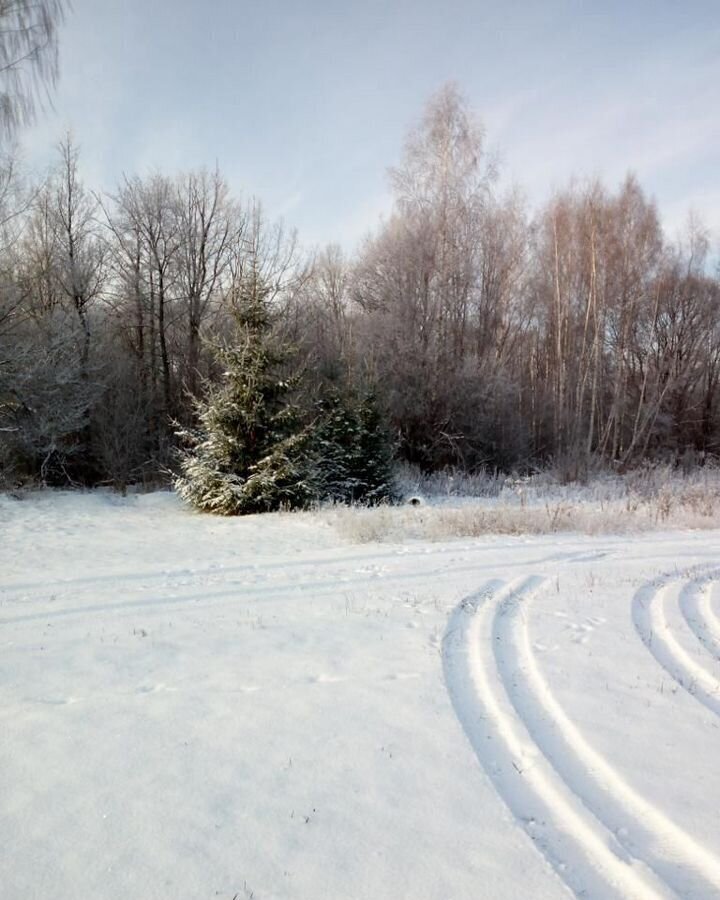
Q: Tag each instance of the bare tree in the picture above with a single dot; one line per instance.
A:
(441, 287)
(80, 266)
(577, 336)
(210, 226)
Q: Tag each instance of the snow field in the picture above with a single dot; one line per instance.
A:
(194, 707)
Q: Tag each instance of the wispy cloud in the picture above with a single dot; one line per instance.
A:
(307, 106)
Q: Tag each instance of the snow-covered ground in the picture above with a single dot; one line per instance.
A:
(193, 707)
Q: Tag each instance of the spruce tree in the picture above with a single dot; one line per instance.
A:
(352, 451)
(249, 452)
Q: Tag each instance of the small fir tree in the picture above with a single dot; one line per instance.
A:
(352, 451)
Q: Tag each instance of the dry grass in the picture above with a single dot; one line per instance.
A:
(645, 500)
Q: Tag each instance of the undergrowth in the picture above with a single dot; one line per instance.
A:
(452, 505)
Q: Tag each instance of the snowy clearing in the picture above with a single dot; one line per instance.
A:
(194, 707)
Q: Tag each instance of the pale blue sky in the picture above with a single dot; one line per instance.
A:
(306, 104)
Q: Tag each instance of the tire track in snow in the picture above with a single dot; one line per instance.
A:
(696, 607)
(198, 577)
(650, 620)
(228, 590)
(645, 834)
(576, 842)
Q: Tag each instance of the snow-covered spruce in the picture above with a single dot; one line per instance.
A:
(256, 449)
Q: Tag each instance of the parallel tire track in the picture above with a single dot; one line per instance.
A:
(600, 835)
(199, 593)
(650, 620)
(583, 852)
(644, 832)
(200, 576)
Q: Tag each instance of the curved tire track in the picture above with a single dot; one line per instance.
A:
(643, 831)
(600, 835)
(650, 620)
(580, 848)
(696, 607)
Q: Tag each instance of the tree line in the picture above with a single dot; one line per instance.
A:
(487, 334)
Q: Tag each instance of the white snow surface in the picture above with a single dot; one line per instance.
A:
(194, 707)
